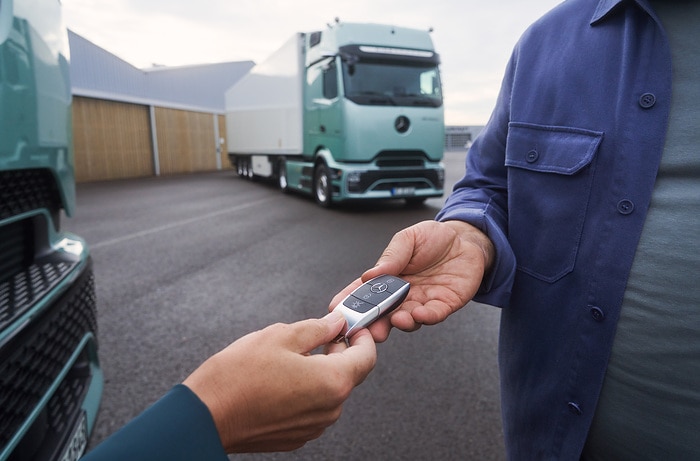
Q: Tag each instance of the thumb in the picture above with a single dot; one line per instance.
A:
(312, 333)
(395, 256)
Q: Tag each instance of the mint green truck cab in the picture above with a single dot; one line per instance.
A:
(352, 112)
(50, 379)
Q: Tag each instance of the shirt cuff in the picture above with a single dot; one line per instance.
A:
(177, 427)
(496, 286)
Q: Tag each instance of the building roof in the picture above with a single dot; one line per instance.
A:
(97, 73)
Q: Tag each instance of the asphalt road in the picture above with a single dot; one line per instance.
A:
(185, 265)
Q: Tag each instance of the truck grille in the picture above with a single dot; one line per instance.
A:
(386, 180)
(24, 280)
(31, 361)
(27, 190)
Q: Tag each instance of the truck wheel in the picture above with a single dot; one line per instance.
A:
(244, 168)
(240, 167)
(322, 185)
(249, 169)
(282, 175)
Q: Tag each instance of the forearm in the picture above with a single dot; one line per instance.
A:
(177, 427)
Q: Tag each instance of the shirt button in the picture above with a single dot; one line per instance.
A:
(574, 408)
(532, 156)
(625, 206)
(597, 314)
(647, 100)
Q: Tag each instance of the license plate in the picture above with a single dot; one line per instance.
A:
(404, 191)
(77, 442)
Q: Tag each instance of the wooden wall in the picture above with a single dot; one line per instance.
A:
(113, 140)
(185, 141)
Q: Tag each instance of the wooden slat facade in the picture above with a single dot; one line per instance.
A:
(186, 141)
(113, 140)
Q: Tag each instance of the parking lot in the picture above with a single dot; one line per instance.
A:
(187, 264)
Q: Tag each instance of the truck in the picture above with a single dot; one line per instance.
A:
(50, 377)
(350, 112)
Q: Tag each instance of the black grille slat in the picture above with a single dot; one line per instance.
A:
(39, 354)
(21, 292)
(26, 190)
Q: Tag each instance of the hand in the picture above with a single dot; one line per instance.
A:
(445, 263)
(267, 392)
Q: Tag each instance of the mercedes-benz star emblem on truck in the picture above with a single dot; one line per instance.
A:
(402, 124)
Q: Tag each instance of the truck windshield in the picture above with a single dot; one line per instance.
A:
(394, 84)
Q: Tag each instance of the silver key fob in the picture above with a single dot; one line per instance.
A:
(370, 301)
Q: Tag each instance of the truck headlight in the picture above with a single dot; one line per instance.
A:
(353, 177)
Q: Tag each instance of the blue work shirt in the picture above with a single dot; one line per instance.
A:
(560, 179)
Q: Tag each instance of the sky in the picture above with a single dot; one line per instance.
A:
(474, 39)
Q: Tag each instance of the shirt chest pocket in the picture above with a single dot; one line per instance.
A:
(550, 172)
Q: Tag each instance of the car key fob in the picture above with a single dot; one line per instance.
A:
(370, 301)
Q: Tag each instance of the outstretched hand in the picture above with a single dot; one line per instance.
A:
(267, 392)
(445, 263)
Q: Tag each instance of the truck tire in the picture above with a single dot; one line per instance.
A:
(243, 167)
(249, 163)
(282, 176)
(240, 167)
(322, 185)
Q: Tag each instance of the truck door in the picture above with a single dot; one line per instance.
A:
(324, 127)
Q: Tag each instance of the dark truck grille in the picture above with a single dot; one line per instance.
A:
(400, 168)
(27, 190)
(24, 280)
(422, 179)
(31, 361)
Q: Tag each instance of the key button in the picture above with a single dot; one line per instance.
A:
(393, 284)
(358, 305)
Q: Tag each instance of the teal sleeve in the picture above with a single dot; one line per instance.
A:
(178, 427)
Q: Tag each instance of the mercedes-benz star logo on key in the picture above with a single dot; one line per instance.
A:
(379, 287)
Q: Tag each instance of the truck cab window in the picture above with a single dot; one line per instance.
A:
(396, 84)
(330, 81)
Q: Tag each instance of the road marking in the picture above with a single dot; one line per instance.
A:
(175, 224)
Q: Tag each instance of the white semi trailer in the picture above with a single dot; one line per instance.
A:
(351, 112)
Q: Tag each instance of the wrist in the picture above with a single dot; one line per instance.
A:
(472, 235)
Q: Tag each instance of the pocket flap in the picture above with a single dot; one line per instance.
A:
(550, 149)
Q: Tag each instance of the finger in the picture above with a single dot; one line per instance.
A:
(358, 359)
(362, 355)
(306, 335)
(395, 256)
(380, 330)
(404, 321)
(334, 347)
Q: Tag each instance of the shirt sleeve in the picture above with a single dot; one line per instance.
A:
(480, 198)
(177, 427)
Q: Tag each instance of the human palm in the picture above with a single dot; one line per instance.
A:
(444, 262)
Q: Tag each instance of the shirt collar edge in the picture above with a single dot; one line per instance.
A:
(606, 6)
